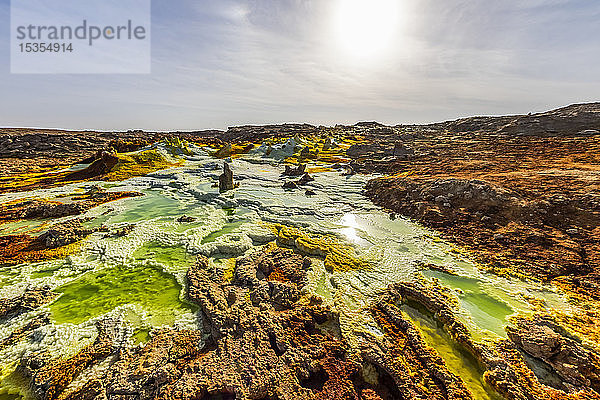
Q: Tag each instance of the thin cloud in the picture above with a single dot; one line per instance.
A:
(222, 62)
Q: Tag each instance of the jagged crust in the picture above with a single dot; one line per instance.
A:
(58, 240)
(28, 301)
(262, 339)
(508, 233)
(416, 369)
(520, 192)
(543, 338)
(506, 369)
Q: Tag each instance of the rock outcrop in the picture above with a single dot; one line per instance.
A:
(578, 120)
(545, 340)
(186, 218)
(573, 120)
(41, 208)
(224, 152)
(226, 179)
(508, 232)
(28, 301)
(295, 171)
(103, 163)
(505, 368)
(64, 233)
(402, 356)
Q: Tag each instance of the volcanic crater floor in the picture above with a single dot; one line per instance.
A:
(145, 272)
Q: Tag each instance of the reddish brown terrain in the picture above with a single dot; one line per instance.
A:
(521, 194)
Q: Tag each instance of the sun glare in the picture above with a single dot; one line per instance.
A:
(366, 28)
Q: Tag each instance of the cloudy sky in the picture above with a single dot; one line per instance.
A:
(219, 63)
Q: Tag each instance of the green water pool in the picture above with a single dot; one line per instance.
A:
(458, 360)
(96, 293)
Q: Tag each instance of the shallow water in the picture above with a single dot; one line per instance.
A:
(458, 359)
(139, 277)
(96, 293)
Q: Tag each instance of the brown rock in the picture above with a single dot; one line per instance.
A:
(545, 340)
(28, 301)
(298, 171)
(306, 178)
(226, 179)
(224, 152)
(64, 233)
(103, 164)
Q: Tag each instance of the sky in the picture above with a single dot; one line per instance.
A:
(219, 63)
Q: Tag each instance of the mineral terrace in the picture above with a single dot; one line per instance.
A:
(457, 260)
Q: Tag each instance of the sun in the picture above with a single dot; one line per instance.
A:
(366, 28)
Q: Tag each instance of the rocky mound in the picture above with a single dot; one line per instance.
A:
(28, 301)
(573, 120)
(545, 238)
(44, 209)
(545, 340)
(579, 119)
